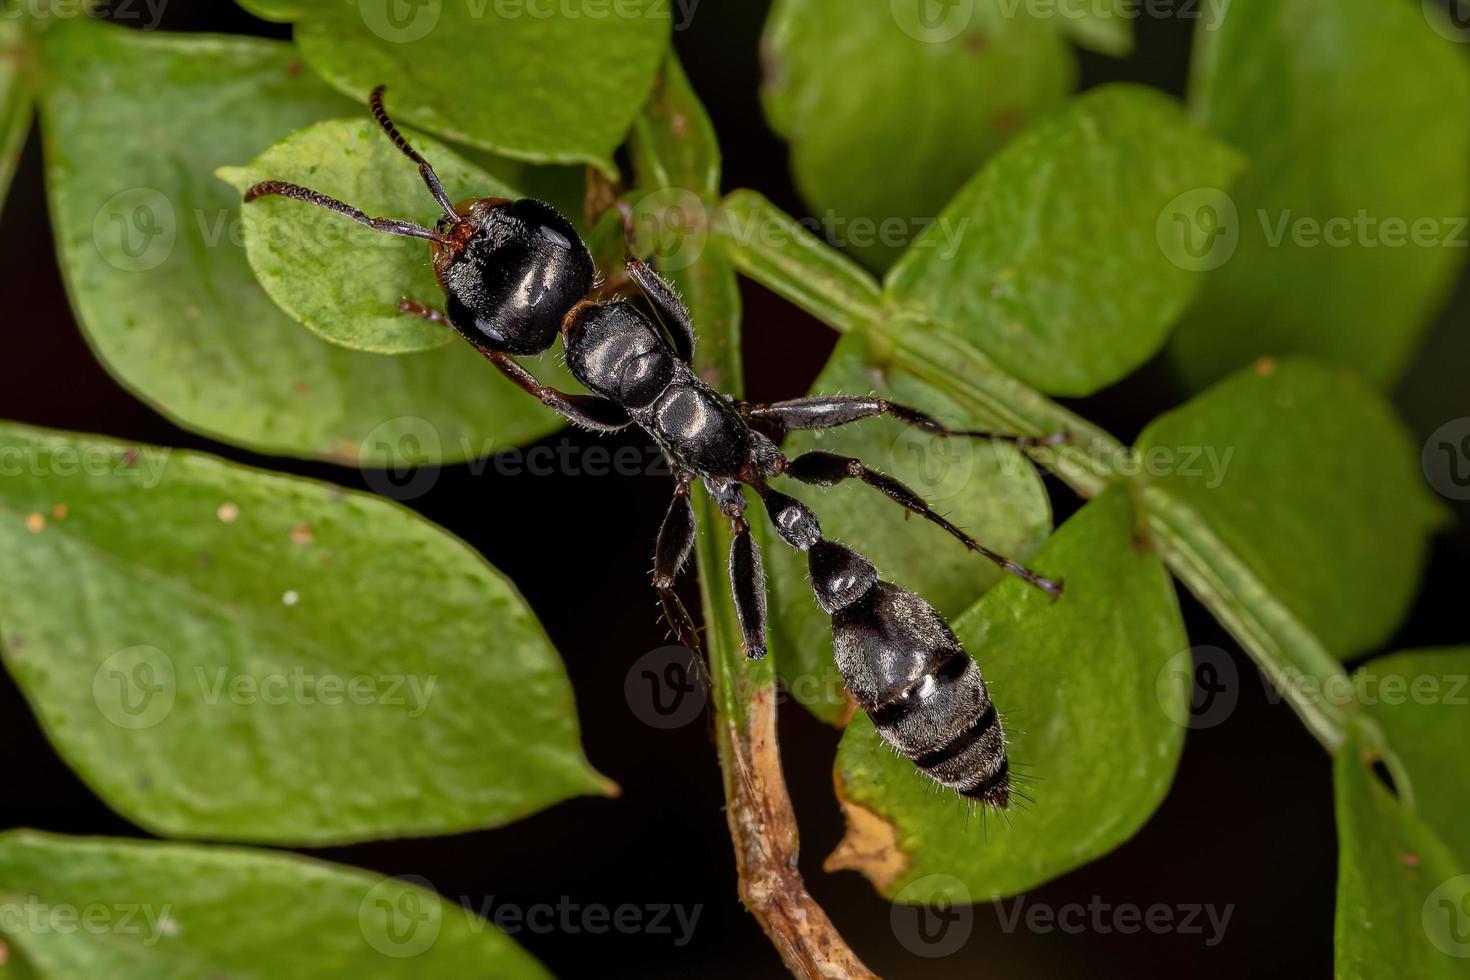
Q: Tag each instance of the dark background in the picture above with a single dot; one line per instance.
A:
(1249, 820)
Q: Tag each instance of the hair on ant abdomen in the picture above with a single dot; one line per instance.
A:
(516, 275)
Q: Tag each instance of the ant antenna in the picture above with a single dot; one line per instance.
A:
(425, 171)
(392, 226)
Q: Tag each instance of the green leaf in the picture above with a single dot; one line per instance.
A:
(1054, 259)
(1090, 701)
(969, 82)
(1403, 902)
(988, 489)
(223, 652)
(775, 250)
(1419, 698)
(1355, 115)
(135, 124)
(337, 277)
(1305, 475)
(17, 98)
(129, 910)
(545, 83)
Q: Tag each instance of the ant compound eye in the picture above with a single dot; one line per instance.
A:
(553, 236)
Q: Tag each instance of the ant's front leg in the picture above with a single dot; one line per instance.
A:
(412, 308)
(675, 542)
(830, 411)
(589, 411)
(677, 321)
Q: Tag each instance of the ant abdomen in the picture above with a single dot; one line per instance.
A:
(907, 670)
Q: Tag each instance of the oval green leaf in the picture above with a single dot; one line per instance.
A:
(1420, 699)
(549, 83)
(160, 282)
(130, 910)
(336, 276)
(1403, 901)
(989, 489)
(1345, 233)
(1058, 260)
(1304, 474)
(1095, 706)
(227, 653)
(850, 84)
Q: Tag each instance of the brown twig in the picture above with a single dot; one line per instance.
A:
(763, 828)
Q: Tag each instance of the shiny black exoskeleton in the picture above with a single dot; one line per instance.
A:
(516, 275)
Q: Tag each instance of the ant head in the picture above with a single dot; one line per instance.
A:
(511, 270)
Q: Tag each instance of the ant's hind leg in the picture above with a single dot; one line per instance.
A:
(830, 411)
(828, 469)
(675, 542)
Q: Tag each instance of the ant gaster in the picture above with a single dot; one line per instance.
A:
(516, 274)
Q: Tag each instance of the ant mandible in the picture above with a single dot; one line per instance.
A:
(516, 274)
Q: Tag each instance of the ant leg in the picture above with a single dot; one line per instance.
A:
(589, 411)
(748, 585)
(830, 411)
(412, 308)
(747, 572)
(675, 542)
(827, 469)
(670, 309)
(667, 304)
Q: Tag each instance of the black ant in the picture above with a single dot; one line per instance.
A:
(516, 274)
